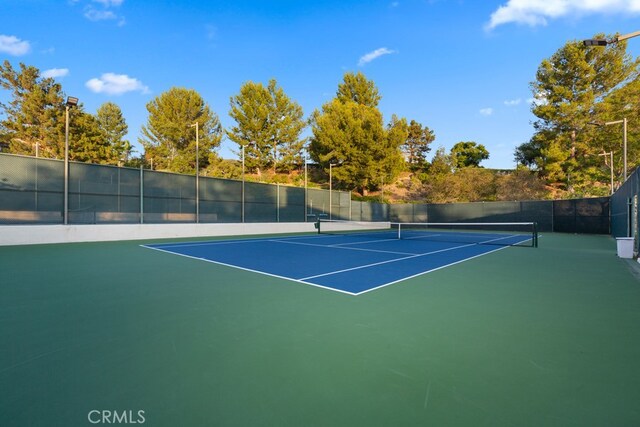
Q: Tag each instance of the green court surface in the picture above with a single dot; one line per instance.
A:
(519, 337)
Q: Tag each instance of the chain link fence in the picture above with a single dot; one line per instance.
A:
(589, 215)
(32, 192)
(624, 210)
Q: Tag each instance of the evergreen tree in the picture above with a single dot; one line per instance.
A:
(169, 137)
(34, 116)
(86, 141)
(359, 89)
(113, 128)
(416, 147)
(349, 131)
(269, 125)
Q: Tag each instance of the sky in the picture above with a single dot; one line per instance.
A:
(461, 67)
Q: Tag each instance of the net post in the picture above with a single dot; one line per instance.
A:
(399, 233)
(535, 234)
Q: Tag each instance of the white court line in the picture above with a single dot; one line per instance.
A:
(252, 271)
(341, 247)
(363, 243)
(225, 242)
(429, 271)
(400, 259)
(384, 262)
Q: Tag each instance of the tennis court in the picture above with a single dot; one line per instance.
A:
(354, 258)
(519, 336)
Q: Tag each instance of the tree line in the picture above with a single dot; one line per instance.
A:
(576, 90)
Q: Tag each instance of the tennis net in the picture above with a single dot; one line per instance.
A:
(488, 233)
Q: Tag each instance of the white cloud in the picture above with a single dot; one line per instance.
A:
(512, 102)
(116, 84)
(373, 55)
(55, 73)
(104, 12)
(108, 3)
(99, 15)
(537, 12)
(13, 45)
(486, 111)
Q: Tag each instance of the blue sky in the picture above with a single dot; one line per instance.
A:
(462, 68)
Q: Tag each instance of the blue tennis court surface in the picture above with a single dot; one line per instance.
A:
(352, 264)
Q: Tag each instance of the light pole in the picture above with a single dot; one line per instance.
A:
(275, 147)
(306, 186)
(243, 183)
(196, 125)
(610, 154)
(331, 165)
(624, 141)
(604, 42)
(71, 102)
(330, 191)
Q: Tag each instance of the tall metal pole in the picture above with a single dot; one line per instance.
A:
(66, 167)
(610, 154)
(306, 195)
(197, 176)
(330, 191)
(196, 125)
(611, 163)
(141, 195)
(243, 183)
(72, 101)
(624, 143)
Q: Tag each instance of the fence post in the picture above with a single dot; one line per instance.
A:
(141, 195)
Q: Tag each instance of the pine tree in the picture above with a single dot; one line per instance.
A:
(269, 125)
(169, 137)
(416, 147)
(34, 116)
(113, 128)
(349, 131)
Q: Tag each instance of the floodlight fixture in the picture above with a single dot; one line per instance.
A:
(595, 42)
(603, 42)
(72, 101)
